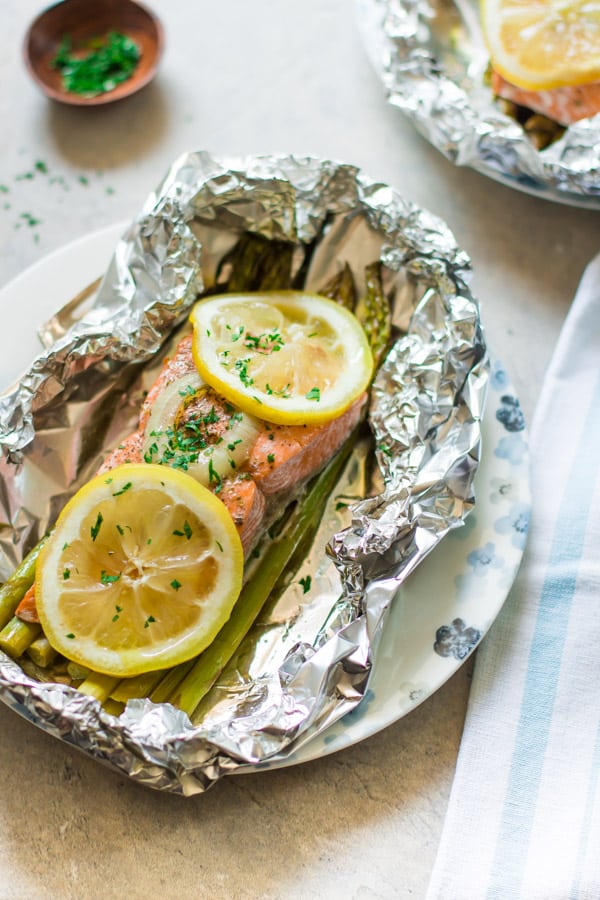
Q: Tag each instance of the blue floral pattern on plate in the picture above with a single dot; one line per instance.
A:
(456, 639)
(447, 605)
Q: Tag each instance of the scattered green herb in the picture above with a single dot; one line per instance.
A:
(123, 489)
(213, 475)
(305, 582)
(70, 636)
(30, 220)
(96, 528)
(105, 578)
(314, 394)
(175, 584)
(149, 621)
(66, 574)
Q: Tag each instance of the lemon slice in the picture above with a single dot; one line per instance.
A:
(543, 44)
(141, 571)
(287, 357)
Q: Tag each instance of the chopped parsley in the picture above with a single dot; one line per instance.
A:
(242, 369)
(105, 578)
(271, 458)
(305, 582)
(123, 489)
(66, 574)
(149, 621)
(264, 343)
(94, 530)
(187, 531)
(70, 636)
(108, 62)
(314, 394)
(219, 545)
(213, 475)
(175, 584)
(284, 392)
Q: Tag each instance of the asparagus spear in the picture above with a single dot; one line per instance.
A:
(41, 652)
(17, 636)
(98, 686)
(171, 681)
(259, 264)
(341, 288)
(137, 686)
(374, 313)
(213, 660)
(14, 588)
(113, 707)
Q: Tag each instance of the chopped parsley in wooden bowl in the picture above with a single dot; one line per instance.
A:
(88, 54)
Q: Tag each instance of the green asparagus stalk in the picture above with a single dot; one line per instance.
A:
(17, 636)
(341, 288)
(259, 264)
(14, 588)
(375, 314)
(41, 652)
(98, 686)
(255, 593)
(137, 686)
(171, 681)
(112, 707)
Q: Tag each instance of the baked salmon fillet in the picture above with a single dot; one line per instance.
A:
(564, 105)
(262, 477)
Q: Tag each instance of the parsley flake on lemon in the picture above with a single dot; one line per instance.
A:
(140, 573)
(289, 357)
(543, 44)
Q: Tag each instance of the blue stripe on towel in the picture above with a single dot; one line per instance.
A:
(544, 664)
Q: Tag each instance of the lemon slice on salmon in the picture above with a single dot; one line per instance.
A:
(141, 571)
(543, 44)
(285, 356)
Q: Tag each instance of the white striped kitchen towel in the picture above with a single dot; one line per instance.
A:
(523, 822)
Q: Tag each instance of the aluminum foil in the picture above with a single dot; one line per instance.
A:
(432, 59)
(308, 658)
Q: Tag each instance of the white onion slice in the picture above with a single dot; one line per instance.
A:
(214, 463)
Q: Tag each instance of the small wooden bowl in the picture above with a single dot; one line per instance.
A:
(83, 20)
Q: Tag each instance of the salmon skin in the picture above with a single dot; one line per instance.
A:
(280, 461)
(564, 105)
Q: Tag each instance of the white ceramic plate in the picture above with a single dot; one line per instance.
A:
(446, 606)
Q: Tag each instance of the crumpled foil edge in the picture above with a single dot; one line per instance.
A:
(437, 79)
(425, 411)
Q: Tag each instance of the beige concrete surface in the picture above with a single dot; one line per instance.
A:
(240, 78)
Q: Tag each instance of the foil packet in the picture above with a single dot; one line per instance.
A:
(432, 60)
(308, 658)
